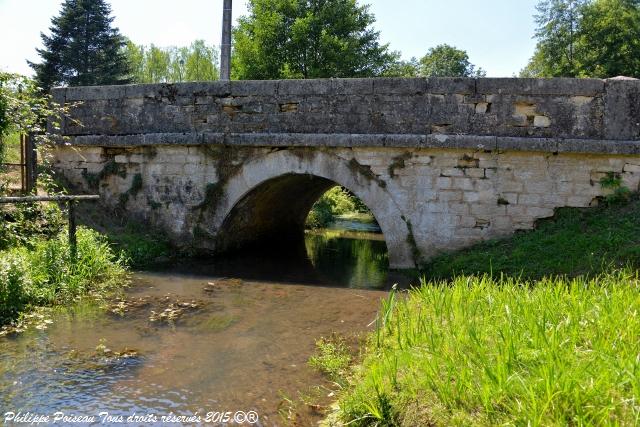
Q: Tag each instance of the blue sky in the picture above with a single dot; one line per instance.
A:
(497, 34)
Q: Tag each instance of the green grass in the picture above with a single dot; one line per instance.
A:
(10, 148)
(42, 273)
(575, 242)
(141, 250)
(333, 357)
(485, 351)
(540, 329)
(141, 245)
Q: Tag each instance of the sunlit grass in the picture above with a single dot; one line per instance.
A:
(485, 351)
(10, 149)
(43, 273)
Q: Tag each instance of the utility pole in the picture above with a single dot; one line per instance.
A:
(225, 48)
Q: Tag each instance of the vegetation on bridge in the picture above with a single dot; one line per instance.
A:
(574, 242)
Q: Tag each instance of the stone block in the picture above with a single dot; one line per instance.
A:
(352, 86)
(622, 114)
(451, 196)
(304, 87)
(449, 85)
(400, 86)
(530, 199)
(632, 168)
(556, 86)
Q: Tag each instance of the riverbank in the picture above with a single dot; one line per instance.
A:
(507, 344)
(575, 242)
(483, 351)
(38, 271)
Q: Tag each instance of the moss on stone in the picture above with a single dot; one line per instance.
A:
(365, 170)
(398, 162)
(110, 168)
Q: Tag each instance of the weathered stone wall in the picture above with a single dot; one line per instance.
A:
(408, 111)
(445, 198)
(442, 163)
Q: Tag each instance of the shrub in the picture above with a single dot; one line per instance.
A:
(45, 274)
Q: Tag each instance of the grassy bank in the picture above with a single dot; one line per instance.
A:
(139, 244)
(538, 329)
(36, 268)
(479, 351)
(575, 242)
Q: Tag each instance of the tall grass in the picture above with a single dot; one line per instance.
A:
(43, 273)
(502, 351)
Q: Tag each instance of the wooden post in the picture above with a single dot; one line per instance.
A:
(73, 241)
(71, 204)
(31, 164)
(23, 171)
(225, 45)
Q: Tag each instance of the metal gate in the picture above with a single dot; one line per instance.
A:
(28, 164)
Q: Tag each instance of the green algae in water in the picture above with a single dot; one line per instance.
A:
(212, 323)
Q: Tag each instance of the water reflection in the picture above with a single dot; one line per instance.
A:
(352, 259)
(327, 257)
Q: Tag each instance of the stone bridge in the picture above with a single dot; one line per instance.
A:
(441, 163)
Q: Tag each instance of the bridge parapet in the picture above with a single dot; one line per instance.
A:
(527, 114)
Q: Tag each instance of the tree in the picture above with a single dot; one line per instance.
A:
(308, 39)
(557, 33)
(400, 68)
(200, 63)
(24, 109)
(609, 39)
(586, 38)
(448, 61)
(153, 64)
(157, 65)
(83, 48)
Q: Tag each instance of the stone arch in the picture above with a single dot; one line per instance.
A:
(286, 183)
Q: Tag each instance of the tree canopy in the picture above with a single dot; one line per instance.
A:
(586, 38)
(308, 39)
(83, 48)
(448, 61)
(152, 64)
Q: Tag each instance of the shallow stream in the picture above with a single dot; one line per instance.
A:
(234, 335)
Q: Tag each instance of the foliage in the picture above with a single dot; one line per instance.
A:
(10, 148)
(586, 38)
(337, 201)
(557, 33)
(610, 39)
(448, 61)
(574, 242)
(484, 351)
(308, 39)
(400, 68)
(152, 64)
(24, 109)
(44, 273)
(619, 192)
(83, 48)
(24, 224)
(140, 250)
(332, 357)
